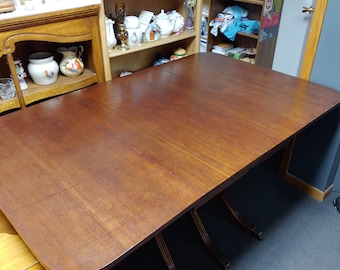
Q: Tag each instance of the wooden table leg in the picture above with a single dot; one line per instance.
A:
(207, 240)
(286, 157)
(245, 225)
(165, 251)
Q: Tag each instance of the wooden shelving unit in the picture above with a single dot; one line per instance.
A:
(21, 34)
(61, 86)
(151, 45)
(263, 42)
(140, 57)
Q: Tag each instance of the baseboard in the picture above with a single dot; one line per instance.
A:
(307, 188)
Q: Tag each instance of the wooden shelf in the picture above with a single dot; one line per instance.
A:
(249, 35)
(254, 2)
(61, 86)
(21, 33)
(6, 105)
(264, 41)
(149, 45)
(144, 55)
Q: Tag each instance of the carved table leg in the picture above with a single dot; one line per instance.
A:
(165, 251)
(207, 241)
(253, 230)
(286, 157)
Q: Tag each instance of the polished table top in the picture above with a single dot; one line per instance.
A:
(88, 177)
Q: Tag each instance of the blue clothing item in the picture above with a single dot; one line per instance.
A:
(241, 25)
(231, 31)
(250, 26)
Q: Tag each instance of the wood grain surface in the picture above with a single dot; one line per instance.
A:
(88, 177)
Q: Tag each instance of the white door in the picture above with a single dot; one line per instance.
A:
(292, 36)
(325, 69)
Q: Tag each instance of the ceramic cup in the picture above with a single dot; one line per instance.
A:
(131, 22)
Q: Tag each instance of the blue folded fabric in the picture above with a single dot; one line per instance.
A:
(241, 25)
(231, 31)
(250, 26)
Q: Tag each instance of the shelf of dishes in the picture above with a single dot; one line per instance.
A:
(63, 85)
(36, 92)
(151, 44)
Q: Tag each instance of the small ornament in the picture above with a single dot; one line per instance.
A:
(21, 74)
(189, 21)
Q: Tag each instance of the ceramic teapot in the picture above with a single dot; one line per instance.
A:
(178, 20)
(165, 24)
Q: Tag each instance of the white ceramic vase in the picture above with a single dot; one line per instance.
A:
(110, 34)
(71, 65)
(42, 68)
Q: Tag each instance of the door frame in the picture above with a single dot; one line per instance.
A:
(313, 39)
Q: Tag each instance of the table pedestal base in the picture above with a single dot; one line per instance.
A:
(207, 240)
(238, 220)
(165, 252)
(245, 225)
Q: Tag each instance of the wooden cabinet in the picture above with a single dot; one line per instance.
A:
(267, 12)
(22, 35)
(139, 57)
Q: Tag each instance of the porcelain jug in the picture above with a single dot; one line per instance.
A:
(71, 65)
(110, 34)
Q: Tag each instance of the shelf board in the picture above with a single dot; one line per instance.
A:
(144, 46)
(249, 35)
(61, 86)
(254, 2)
(6, 105)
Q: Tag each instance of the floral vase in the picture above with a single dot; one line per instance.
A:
(71, 64)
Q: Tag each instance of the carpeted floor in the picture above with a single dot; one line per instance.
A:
(299, 232)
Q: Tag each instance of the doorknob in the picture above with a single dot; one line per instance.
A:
(306, 9)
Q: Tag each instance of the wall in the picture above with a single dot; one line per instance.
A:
(316, 155)
(318, 147)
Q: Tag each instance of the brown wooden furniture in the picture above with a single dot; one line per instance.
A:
(264, 41)
(14, 254)
(90, 176)
(23, 34)
(139, 57)
(6, 6)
